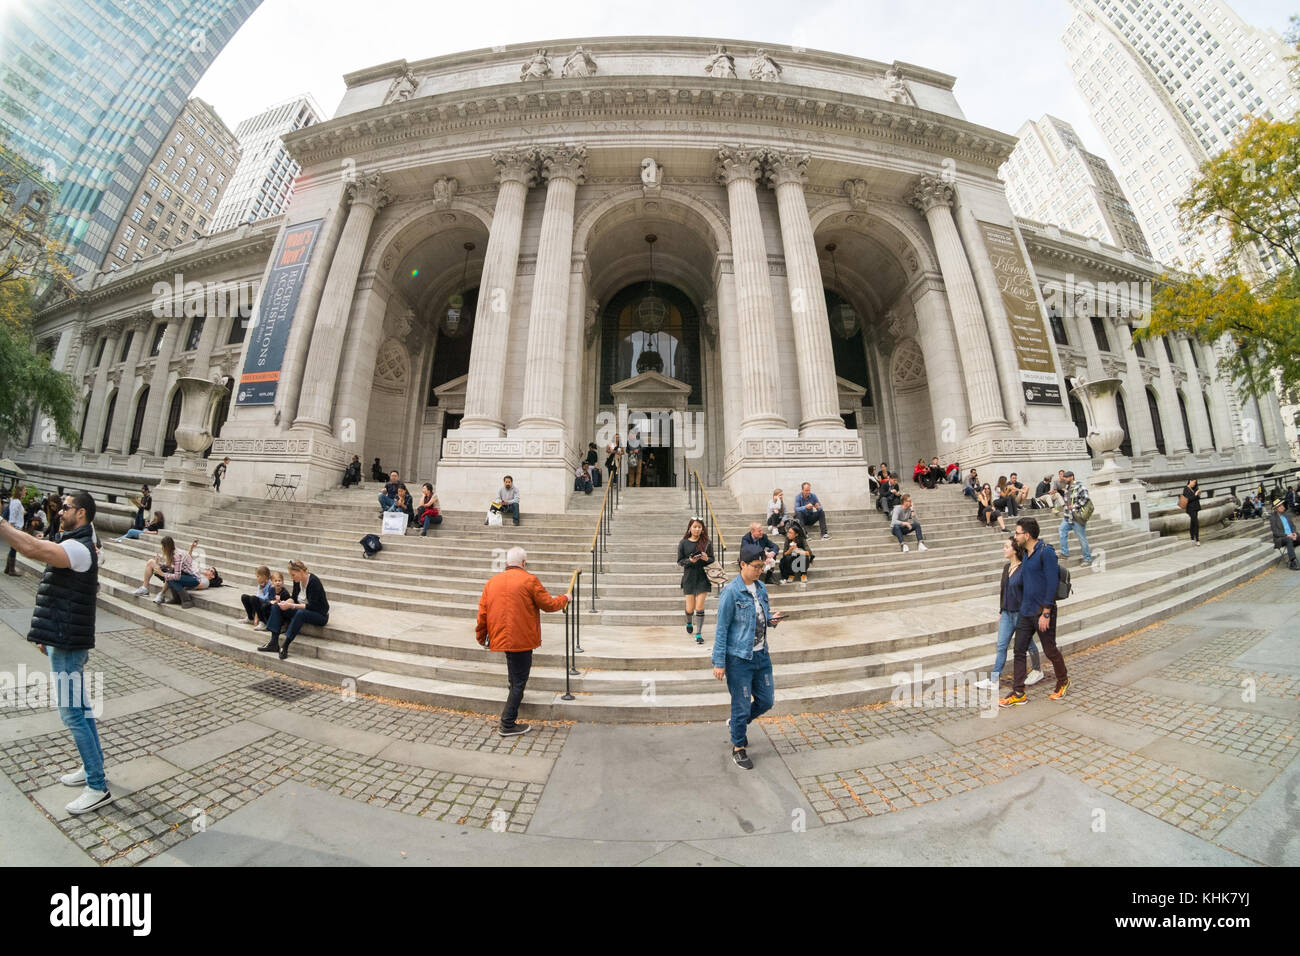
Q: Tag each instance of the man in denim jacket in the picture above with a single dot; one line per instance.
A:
(740, 653)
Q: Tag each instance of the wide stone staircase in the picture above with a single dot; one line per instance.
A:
(401, 624)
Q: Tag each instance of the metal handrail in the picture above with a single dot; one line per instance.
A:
(572, 630)
(701, 497)
(600, 536)
(709, 508)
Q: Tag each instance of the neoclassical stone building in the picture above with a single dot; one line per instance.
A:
(786, 263)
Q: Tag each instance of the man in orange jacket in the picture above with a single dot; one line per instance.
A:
(508, 621)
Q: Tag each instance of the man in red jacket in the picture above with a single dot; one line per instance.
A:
(508, 621)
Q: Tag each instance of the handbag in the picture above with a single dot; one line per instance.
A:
(1182, 502)
(716, 573)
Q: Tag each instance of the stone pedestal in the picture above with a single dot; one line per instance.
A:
(835, 468)
(1117, 495)
(185, 491)
(471, 469)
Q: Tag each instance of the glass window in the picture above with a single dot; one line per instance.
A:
(1099, 333)
(629, 348)
(196, 332)
(157, 338)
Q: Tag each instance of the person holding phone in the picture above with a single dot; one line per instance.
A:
(694, 554)
(740, 655)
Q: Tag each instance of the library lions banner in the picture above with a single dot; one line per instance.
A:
(1038, 375)
(274, 314)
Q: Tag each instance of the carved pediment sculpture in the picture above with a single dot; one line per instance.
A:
(652, 174)
(722, 65)
(537, 67)
(763, 67)
(444, 191)
(578, 63)
(895, 88)
(403, 88)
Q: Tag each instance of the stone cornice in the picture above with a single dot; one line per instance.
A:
(505, 107)
(1059, 246)
(190, 257)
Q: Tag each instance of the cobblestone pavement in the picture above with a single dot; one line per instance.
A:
(1181, 691)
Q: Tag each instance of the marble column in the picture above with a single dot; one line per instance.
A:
(99, 393)
(933, 198)
(1220, 407)
(124, 416)
(733, 382)
(999, 323)
(516, 172)
(1142, 432)
(740, 167)
(151, 429)
(1175, 437)
(574, 355)
(316, 405)
(1195, 398)
(564, 169)
(814, 359)
(934, 333)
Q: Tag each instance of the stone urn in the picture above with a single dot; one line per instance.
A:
(1104, 432)
(197, 397)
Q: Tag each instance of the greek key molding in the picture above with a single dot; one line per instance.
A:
(804, 451)
(501, 449)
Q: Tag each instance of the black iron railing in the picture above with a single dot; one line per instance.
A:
(572, 631)
(600, 537)
(703, 510)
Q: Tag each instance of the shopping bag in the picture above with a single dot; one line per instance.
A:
(394, 522)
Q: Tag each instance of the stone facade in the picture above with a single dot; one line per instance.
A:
(511, 242)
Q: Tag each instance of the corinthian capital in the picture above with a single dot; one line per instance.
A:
(564, 162)
(787, 166)
(370, 189)
(929, 192)
(516, 165)
(739, 162)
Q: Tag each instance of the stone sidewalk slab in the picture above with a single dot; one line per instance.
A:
(1038, 818)
(1269, 829)
(47, 721)
(1117, 734)
(202, 750)
(958, 733)
(30, 838)
(642, 782)
(294, 825)
(1243, 774)
(1275, 654)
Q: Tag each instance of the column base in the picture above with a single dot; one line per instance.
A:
(185, 491)
(834, 466)
(471, 470)
(1121, 499)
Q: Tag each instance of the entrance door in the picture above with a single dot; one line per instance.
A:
(658, 448)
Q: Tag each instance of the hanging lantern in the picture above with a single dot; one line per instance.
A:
(652, 311)
(454, 322)
(843, 317)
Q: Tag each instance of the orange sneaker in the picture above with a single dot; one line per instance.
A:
(1060, 691)
(1014, 700)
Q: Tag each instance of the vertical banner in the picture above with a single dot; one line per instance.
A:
(274, 315)
(1038, 378)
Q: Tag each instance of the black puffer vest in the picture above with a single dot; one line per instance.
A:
(65, 601)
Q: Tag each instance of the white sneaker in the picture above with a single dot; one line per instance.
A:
(1033, 678)
(89, 800)
(906, 548)
(162, 596)
(142, 589)
(921, 547)
(75, 779)
(986, 684)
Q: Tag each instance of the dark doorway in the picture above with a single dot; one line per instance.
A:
(658, 449)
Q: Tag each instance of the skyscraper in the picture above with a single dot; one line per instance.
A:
(1052, 179)
(1170, 83)
(179, 193)
(88, 90)
(263, 182)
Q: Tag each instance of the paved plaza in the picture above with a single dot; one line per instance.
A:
(1176, 745)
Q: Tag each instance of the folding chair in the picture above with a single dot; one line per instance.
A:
(291, 488)
(275, 488)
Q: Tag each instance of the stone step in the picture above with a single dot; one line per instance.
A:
(682, 688)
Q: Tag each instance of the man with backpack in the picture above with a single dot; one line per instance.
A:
(1078, 509)
(1040, 576)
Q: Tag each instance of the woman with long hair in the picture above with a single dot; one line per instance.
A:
(988, 512)
(796, 555)
(307, 604)
(1011, 592)
(694, 554)
(1192, 493)
(426, 512)
(776, 509)
(1004, 498)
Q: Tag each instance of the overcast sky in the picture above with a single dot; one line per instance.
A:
(1007, 55)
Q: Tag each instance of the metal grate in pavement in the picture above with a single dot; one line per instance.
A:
(281, 689)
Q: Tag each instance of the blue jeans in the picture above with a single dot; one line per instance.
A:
(430, 518)
(899, 532)
(131, 533)
(1007, 627)
(512, 510)
(1066, 527)
(75, 710)
(752, 692)
(184, 583)
(297, 618)
(809, 518)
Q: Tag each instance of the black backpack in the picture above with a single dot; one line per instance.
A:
(1063, 586)
(371, 545)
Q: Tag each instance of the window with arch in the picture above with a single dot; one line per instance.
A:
(1125, 446)
(108, 422)
(138, 424)
(1079, 417)
(173, 419)
(1187, 426)
(1153, 407)
(452, 343)
(847, 343)
(669, 344)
